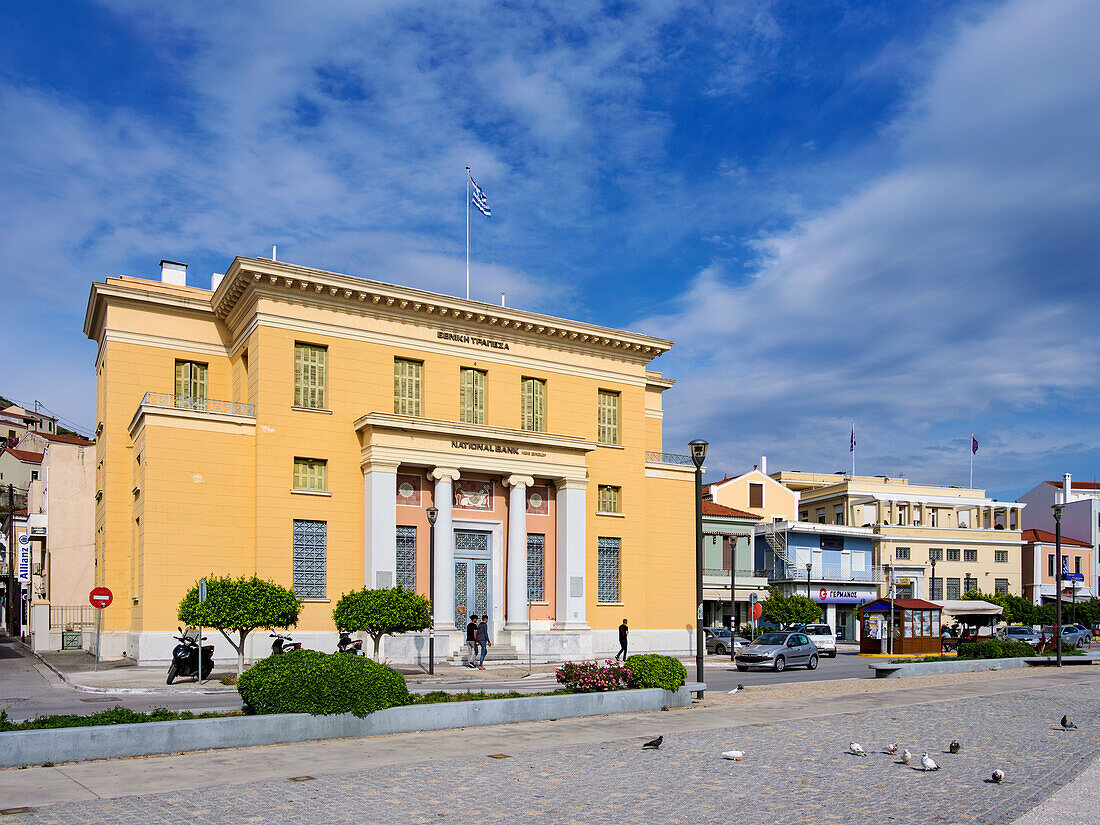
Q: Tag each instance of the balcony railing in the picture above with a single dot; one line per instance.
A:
(668, 458)
(831, 572)
(204, 405)
(725, 573)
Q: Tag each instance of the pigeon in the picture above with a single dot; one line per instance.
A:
(906, 757)
(954, 747)
(1068, 725)
(856, 749)
(927, 763)
(734, 755)
(654, 744)
(998, 776)
(893, 748)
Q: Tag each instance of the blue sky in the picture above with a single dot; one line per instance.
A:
(882, 212)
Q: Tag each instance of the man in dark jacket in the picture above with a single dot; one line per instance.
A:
(483, 640)
(623, 631)
(471, 641)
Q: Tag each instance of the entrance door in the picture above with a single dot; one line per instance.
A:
(472, 575)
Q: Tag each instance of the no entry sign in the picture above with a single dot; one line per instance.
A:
(100, 597)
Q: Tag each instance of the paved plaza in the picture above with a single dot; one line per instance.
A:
(795, 769)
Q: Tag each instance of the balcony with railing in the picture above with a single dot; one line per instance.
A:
(652, 457)
(830, 572)
(213, 406)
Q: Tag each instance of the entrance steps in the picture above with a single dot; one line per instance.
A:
(496, 653)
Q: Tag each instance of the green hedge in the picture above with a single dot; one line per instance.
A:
(309, 681)
(651, 670)
(995, 649)
(117, 715)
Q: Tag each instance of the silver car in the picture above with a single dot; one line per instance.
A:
(778, 650)
(1020, 633)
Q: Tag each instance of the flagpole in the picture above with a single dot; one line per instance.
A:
(853, 449)
(972, 461)
(467, 233)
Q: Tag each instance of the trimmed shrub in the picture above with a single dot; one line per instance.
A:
(591, 677)
(995, 649)
(652, 670)
(309, 681)
(117, 715)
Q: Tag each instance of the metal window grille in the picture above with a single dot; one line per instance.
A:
(608, 570)
(953, 554)
(903, 552)
(1000, 556)
(608, 499)
(935, 553)
(937, 589)
(407, 384)
(953, 588)
(310, 542)
(970, 555)
(608, 416)
(536, 545)
(1000, 587)
(406, 557)
(309, 474)
(310, 376)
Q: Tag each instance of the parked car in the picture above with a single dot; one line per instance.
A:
(822, 636)
(1071, 635)
(778, 650)
(1020, 633)
(719, 639)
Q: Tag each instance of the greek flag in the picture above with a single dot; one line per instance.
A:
(477, 197)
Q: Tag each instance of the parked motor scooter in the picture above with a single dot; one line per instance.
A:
(185, 658)
(283, 644)
(349, 645)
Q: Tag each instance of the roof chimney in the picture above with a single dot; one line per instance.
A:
(173, 272)
(764, 464)
(1067, 485)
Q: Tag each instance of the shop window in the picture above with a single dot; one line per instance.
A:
(310, 546)
(407, 387)
(310, 376)
(608, 414)
(471, 396)
(310, 474)
(406, 557)
(608, 499)
(533, 401)
(536, 566)
(609, 570)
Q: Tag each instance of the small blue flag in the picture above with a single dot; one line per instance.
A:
(973, 445)
(477, 197)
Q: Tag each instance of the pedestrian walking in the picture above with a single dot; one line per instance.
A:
(483, 640)
(623, 631)
(471, 641)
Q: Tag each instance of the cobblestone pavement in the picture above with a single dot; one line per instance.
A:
(793, 772)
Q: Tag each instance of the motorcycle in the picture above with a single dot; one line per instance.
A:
(283, 644)
(349, 645)
(185, 658)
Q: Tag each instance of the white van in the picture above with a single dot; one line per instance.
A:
(823, 638)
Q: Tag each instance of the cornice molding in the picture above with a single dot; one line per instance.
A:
(476, 432)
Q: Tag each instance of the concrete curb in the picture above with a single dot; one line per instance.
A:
(180, 691)
(35, 747)
(896, 671)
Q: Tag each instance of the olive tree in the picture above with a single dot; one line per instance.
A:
(785, 610)
(384, 612)
(240, 606)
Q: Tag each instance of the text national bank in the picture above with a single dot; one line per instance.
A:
(297, 424)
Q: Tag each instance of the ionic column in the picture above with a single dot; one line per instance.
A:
(379, 524)
(443, 498)
(516, 613)
(571, 549)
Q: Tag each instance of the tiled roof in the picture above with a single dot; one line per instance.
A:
(25, 455)
(62, 438)
(712, 509)
(1043, 537)
(1078, 485)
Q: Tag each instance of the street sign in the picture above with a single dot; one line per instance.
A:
(1074, 577)
(753, 599)
(757, 610)
(202, 590)
(100, 597)
(904, 582)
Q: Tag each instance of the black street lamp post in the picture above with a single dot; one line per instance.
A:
(932, 583)
(698, 456)
(433, 514)
(1057, 510)
(809, 567)
(733, 594)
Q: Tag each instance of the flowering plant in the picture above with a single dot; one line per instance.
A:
(588, 677)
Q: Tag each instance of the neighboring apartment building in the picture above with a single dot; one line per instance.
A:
(16, 422)
(974, 540)
(755, 492)
(1040, 567)
(18, 468)
(727, 536)
(296, 424)
(1080, 516)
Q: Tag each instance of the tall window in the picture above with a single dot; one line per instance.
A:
(309, 474)
(407, 387)
(1050, 564)
(310, 376)
(406, 557)
(1000, 556)
(952, 554)
(756, 496)
(608, 499)
(937, 589)
(953, 588)
(608, 431)
(820, 510)
(970, 554)
(608, 570)
(310, 542)
(536, 565)
(471, 396)
(1076, 563)
(533, 412)
(935, 553)
(1000, 587)
(190, 380)
(838, 514)
(901, 553)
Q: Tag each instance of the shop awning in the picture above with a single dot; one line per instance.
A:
(969, 607)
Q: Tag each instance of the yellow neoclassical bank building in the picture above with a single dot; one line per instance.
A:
(296, 424)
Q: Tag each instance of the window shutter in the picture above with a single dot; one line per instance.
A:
(526, 418)
(539, 411)
(464, 392)
(417, 370)
(479, 397)
(198, 382)
(181, 379)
